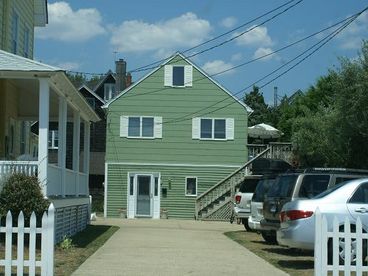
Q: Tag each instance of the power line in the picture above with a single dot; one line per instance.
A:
(150, 66)
(326, 40)
(252, 60)
(144, 68)
(321, 43)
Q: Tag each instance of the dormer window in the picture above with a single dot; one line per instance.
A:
(109, 91)
(178, 75)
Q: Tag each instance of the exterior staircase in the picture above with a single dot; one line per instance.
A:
(217, 202)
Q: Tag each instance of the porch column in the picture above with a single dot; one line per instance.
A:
(43, 132)
(63, 109)
(76, 147)
(87, 135)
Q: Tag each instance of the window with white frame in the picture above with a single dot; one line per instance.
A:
(191, 186)
(23, 137)
(178, 75)
(26, 42)
(53, 139)
(213, 128)
(15, 19)
(109, 91)
(141, 127)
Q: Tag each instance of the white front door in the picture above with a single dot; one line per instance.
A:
(143, 195)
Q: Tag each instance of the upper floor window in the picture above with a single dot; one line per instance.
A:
(26, 42)
(15, 19)
(178, 75)
(109, 91)
(53, 139)
(23, 137)
(213, 128)
(140, 127)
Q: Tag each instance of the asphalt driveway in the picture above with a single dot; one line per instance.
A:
(173, 247)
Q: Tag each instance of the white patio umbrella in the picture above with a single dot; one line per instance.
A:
(264, 131)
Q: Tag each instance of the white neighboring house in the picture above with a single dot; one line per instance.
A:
(31, 91)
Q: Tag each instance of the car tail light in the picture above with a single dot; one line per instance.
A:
(237, 199)
(294, 215)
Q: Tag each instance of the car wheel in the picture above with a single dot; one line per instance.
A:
(246, 226)
(269, 236)
(341, 253)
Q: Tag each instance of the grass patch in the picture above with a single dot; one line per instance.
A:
(294, 262)
(85, 244)
(69, 258)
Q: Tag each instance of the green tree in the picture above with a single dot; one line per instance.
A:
(255, 100)
(334, 132)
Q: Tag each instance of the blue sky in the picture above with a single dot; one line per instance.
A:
(87, 36)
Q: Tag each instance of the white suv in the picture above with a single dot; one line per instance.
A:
(242, 199)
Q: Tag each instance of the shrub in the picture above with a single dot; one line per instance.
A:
(22, 193)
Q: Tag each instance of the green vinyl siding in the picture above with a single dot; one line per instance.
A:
(175, 105)
(177, 204)
(24, 10)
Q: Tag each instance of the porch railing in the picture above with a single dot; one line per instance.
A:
(25, 167)
(54, 187)
(54, 177)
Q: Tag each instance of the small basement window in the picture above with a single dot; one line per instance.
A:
(191, 186)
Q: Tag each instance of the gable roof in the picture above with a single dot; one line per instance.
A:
(249, 110)
(107, 75)
(11, 62)
(91, 92)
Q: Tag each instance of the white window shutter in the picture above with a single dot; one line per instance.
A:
(158, 127)
(196, 128)
(230, 129)
(188, 75)
(168, 75)
(124, 126)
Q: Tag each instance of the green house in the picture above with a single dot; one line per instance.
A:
(170, 137)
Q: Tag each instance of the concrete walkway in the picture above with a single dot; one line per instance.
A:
(173, 247)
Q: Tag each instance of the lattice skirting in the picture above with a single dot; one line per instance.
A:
(222, 214)
(70, 220)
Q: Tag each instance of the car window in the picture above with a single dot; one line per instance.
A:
(328, 191)
(283, 186)
(248, 185)
(343, 179)
(313, 185)
(360, 195)
(262, 188)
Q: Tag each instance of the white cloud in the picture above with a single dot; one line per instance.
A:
(217, 66)
(68, 66)
(260, 52)
(71, 26)
(258, 36)
(352, 36)
(228, 22)
(236, 57)
(137, 36)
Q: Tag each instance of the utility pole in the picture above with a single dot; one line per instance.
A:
(275, 96)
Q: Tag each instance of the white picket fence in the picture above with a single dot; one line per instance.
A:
(46, 261)
(347, 238)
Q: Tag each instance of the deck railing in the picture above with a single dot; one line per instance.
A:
(277, 150)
